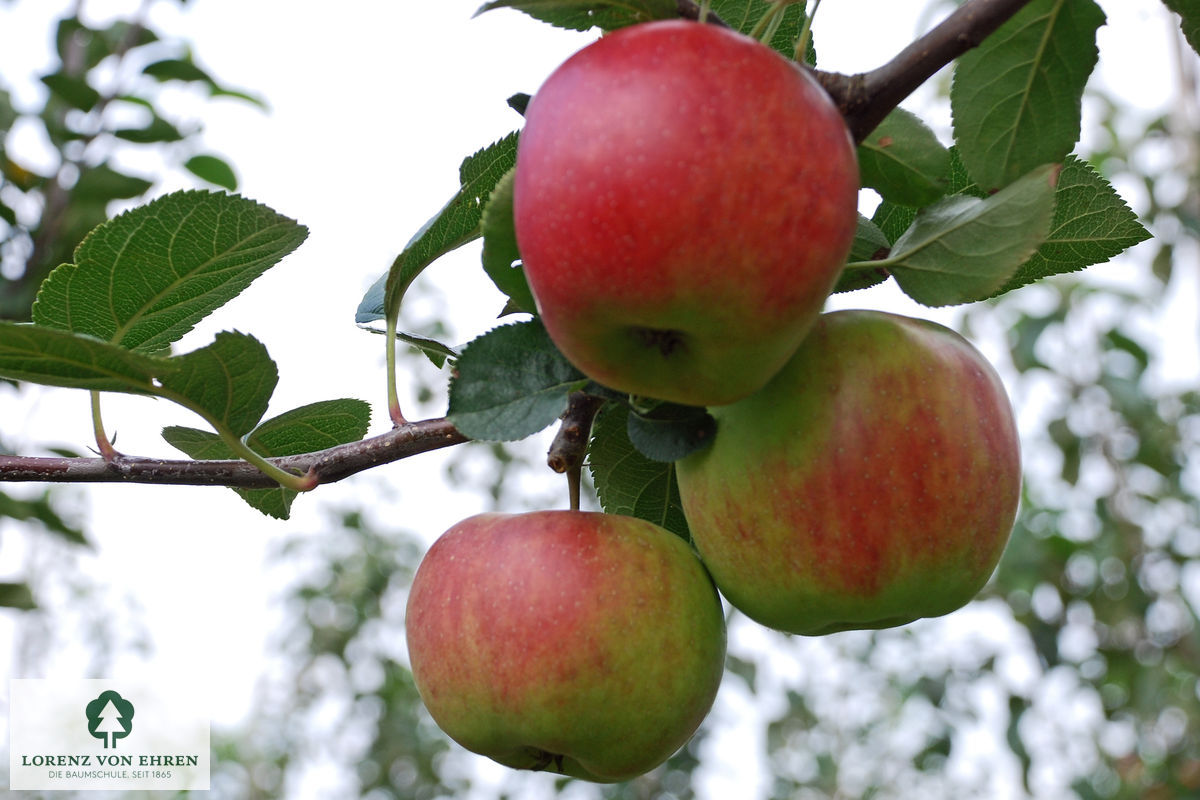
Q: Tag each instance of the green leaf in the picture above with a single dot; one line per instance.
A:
(1016, 98)
(39, 509)
(744, 15)
(176, 69)
(500, 250)
(58, 358)
(102, 183)
(229, 382)
(214, 170)
(892, 220)
(626, 481)
(1091, 225)
(1189, 19)
(870, 244)
(73, 91)
(17, 595)
(583, 15)
(145, 278)
(904, 161)
(964, 249)
(456, 224)
(157, 130)
(511, 383)
(669, 432)
(307, 429)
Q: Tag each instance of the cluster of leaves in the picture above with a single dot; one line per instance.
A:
(101, 78)
(103, 99)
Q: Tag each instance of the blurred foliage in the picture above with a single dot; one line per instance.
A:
(1075, 675)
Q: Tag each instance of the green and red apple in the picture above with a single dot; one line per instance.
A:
(685, 198)
(582, 643)
(873, 481)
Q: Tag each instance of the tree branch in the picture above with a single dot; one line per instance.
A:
(326, 466)
(866, 98)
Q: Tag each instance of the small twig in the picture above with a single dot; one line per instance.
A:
(866, 98)
(569, 447)
(323, 466)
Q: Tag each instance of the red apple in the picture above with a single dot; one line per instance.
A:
(873, 481)
(685, 198)
(583, 643)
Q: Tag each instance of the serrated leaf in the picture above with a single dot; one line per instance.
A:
(214, 170)
(903, 160)
(457, 223)
(893, 220)
(500, 249)
(964, 249)
(17, 595)
(59, 358)
(511, 383)
(670, 432)
(626, 481)
(583, 15)
(1189, 20)
(230, 381)
(744, 15)
(1091, 225)
(1016, 98)
(145, 278)
(307, 429)
(316, 426)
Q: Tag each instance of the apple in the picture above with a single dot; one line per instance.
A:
(684, 200)
(873, 481)
(583, 643)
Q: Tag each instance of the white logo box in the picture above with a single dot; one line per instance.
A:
(147, 733)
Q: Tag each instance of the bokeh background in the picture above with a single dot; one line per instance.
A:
(1073, 675)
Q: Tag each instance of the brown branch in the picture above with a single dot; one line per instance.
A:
(326, 466)
(866, 98)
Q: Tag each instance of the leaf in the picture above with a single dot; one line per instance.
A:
(230, 382)
(892, 220)
(1016, 98)
(670, 431)
(626, 481)
(102, 183)
(1091, 225)
(145, 278)
(511, 383)
(964, 249)
(214, 170)
(870, 244)
(17, 595)
(307, 429)
(583, 15)
(176, 69)
(456, 224)
(1189, 19)
(500, 250)
(904, 161)
(744, 15)
(58, 358)
(39, 509)
(73, 91)
(157, 130)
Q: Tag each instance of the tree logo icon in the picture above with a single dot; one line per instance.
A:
(110, 717)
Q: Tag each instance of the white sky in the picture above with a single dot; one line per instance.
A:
(373, 105)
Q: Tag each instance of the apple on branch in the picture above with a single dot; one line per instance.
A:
(874, 481)
(577, 642)
(685, 198)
